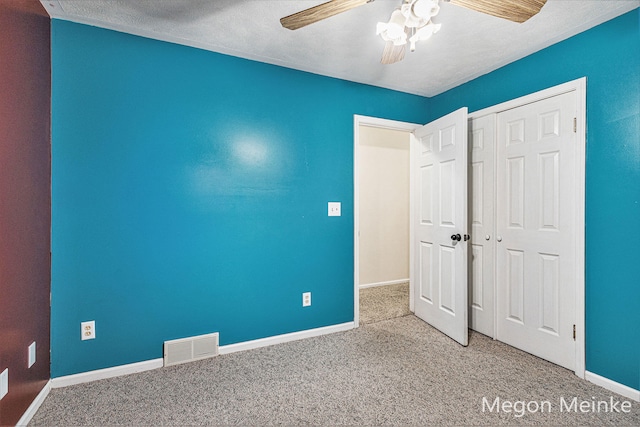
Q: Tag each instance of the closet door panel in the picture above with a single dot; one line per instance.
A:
(481, 202)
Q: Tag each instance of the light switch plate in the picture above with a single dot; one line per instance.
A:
(4, 383)
(334, 209)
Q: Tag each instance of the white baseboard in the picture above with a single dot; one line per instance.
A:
(100, 374)
(613, 386)
(388, 282)
(147, 365)
(35, 405)
(279, 339)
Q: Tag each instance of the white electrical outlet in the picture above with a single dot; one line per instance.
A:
(88, 330)
(32, 354)
(306, 299)
(4, 383)
(334, 208)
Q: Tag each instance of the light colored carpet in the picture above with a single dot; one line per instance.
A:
(395, 372)
(384, 302)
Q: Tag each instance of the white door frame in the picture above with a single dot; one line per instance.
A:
(382, 124)
(580, 88)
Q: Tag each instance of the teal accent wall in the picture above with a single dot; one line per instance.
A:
(189, 194)
(609, 56)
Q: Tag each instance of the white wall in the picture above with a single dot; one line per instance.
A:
(383, 174)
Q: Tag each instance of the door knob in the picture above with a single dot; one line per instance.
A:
(455, 237)
(487, 237)
(499, 238)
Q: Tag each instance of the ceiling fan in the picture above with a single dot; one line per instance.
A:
(412, 20)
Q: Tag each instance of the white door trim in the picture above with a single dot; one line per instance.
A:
(580, 87)
(383, 124)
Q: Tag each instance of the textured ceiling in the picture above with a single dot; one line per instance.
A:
(345, 46)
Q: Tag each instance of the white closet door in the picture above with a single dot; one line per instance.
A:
(535, 229)
(481, 200)
(439, 223)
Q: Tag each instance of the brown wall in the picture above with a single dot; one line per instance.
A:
(25, 201)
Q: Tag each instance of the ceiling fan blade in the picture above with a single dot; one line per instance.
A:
(320, 12)
(392, 53)
(513, 10)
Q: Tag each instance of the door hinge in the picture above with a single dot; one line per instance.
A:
(574, 332)
(575, 124)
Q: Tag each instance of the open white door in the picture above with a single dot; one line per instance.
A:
(439, 224)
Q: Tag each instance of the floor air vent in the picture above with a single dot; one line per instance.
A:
(189, 349)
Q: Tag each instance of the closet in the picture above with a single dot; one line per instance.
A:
(523, 268)
(525, 246)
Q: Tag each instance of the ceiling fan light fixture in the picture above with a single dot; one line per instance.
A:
(425, 9)
(393, 31)
(410, 22)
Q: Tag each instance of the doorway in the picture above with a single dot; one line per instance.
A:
(381, 217)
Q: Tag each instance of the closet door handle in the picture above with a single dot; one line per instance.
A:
(455, 237)
(499, 238)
